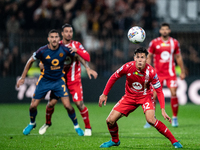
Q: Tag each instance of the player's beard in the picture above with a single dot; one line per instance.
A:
(165, 35)
(68, 39)
(54, 45)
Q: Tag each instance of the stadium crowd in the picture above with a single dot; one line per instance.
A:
(101, 25)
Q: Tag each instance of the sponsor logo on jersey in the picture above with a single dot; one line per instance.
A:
(138, 74)
(61, 54)
(165, 45)
(137, 86)
(165, 55)
(48, 57)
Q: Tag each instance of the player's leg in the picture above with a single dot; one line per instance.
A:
(174, 106)
(49, 111)
(85, 115)
(72, 115)
(150, 117)
(32, 113)
(113, 129)
(172, 85)
(122, 108)
(77, 96)
(154, 98)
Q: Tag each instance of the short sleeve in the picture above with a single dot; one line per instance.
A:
(151, 47)
(177, 48)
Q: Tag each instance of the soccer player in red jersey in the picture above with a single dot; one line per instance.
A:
(140, 76)
(72, 70)
(163, 50)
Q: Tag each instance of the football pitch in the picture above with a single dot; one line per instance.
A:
(61, 135)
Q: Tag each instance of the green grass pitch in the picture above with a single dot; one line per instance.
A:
(61, 135)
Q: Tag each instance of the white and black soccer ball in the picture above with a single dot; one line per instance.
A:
(136, 35)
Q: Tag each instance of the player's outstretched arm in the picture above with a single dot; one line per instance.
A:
(102, 98)
(166, 117)
(26, 68)
(90, 72)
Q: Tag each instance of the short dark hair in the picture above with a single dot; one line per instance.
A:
(165, 24)
(53, 31)
(141, 50)
(66, 25)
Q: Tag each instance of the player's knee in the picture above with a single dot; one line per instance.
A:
(68, 106)
(151, 120)
(52, 103)
(80, 105)
(109, 121)
(33, 106)
(173, 94)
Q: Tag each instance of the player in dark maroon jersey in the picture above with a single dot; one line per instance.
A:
(140, 76)
(163, 50)
(72, 70)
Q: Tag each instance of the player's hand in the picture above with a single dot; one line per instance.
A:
(182, 75)
(72, 49)
(102, 98)
(166, 117)
(41, 65)
(91, 73)
(20, 82)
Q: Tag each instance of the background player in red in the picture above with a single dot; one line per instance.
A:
(163, 50)
(140, 76)
(72, 70)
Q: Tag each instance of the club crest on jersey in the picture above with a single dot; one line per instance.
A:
(61, 54)
(138, 74)
(137, 85)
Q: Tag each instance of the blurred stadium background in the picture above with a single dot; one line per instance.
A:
(101, 26)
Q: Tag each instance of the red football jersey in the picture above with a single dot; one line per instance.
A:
(72, 66)
(138, 83)
(163, 55)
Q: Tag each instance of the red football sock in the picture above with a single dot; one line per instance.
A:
(49, 112)
(164, 131)
(85, 116)
(174, 105)
(114, 132)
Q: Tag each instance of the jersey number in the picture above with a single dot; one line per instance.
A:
(146, 106)
(76, 96)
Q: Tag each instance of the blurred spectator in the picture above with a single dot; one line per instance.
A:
(12, 27)
(57, 19)
(101, 24)
(42, 15)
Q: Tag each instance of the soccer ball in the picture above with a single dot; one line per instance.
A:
(136, 35)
